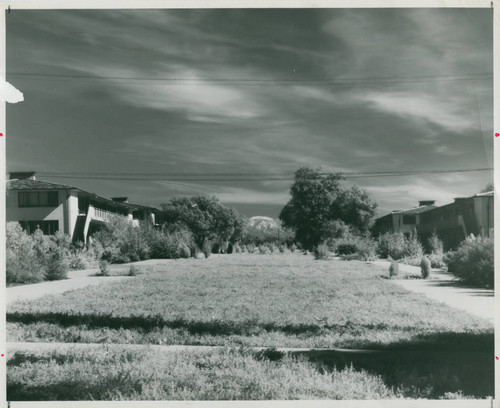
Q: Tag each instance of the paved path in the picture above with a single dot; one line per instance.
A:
(444, 287)
(76, 280)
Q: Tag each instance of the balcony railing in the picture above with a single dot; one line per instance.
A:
(102, 215)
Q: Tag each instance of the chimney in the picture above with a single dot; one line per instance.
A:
(22, 175)
(120, 199)
(426, 202)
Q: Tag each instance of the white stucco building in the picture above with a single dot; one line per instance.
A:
(57, 207)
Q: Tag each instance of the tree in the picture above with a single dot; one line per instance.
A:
(205, 217)
(318, 199)
(487, 188)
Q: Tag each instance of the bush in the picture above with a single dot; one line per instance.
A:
(397, 246)
(263, 249)
(183, 251)
(104, 268)
(57, 265)
(437, 260)
(346, 249)
(364, 248)
(434, 244)
(321, 252)
(22, 263)
(425, 267)
(413, 248)
(393, 269)
(473, 261)
(282, 248)
(133, 271)
(293, 247)
(207, 248)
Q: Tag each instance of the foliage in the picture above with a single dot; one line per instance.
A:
(397, 246)
(434, 244)
(317, 200)
(104, 268)
(206, 248)
(473, 261)
(437, 259)
(171, 242)
(360, 247)
(205, 217)
(321, 252)
(487, 188)
(36, 257)
(122, 373)
(23, 264)
(133, 270)
(393, 269)
(425, 267)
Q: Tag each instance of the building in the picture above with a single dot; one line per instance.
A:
(452, 222)
(404, 221)
(56, 207)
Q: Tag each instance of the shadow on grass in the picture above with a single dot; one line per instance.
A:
(428, 367)
(212, 327)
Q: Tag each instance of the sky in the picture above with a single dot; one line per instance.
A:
(257, 92)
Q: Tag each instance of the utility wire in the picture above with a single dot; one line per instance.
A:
(237, 176)
(257, 81)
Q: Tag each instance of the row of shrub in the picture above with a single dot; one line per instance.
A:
(472, 261)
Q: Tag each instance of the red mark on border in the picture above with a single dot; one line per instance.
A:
(1, 134)
(2, 355)
(497, 134)
(495, 357)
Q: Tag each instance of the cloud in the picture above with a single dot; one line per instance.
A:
(424, 107)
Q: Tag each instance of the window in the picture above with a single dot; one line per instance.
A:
(47, 227)
(39, 199)
(409, 219)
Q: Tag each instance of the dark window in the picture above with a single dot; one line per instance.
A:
(38, 199)
(47, 227)
(138, 215)
(409, 219)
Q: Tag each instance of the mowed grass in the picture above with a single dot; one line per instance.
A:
(254, 300)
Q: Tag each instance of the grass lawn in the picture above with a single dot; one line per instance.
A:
(260, 300)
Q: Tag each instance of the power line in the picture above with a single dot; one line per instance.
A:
(258, 81)
(238, 176)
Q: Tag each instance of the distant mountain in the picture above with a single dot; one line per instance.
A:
(262, 228)
(263, 224)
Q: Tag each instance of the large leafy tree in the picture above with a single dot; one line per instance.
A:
(205, 216)
(320, 206)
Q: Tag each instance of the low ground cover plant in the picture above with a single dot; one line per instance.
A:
(228, 374)
(473, 261)
(122, 373)
(271, 300)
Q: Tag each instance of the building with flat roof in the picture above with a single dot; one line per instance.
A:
(452, 222)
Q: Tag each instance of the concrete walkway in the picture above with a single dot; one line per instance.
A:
(76, 280)
(446, 288)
